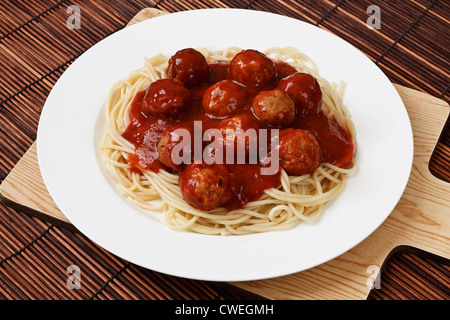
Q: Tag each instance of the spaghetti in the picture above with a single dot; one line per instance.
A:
(300, 198)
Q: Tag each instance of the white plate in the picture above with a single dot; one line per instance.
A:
(72, 122)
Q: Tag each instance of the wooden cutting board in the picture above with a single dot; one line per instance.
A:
(420, 219)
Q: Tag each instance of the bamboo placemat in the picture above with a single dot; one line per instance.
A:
(36, 46)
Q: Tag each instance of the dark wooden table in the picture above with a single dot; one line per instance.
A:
(36, 47)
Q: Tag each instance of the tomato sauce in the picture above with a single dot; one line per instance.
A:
(246, 180)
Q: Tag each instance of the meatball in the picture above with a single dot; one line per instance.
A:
(284, 69)
(222, 98)
(205, 187)
(305, 90)
(300, 152)
(166, 98)
(169, 139)
(253, 69)
(236, 133)
(240, 122)
(274, 107)
(189, 66)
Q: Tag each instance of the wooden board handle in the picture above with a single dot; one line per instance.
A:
(420, 220)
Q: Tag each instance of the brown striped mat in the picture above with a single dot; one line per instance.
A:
(36, 46)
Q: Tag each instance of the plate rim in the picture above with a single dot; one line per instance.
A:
(41, 156)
